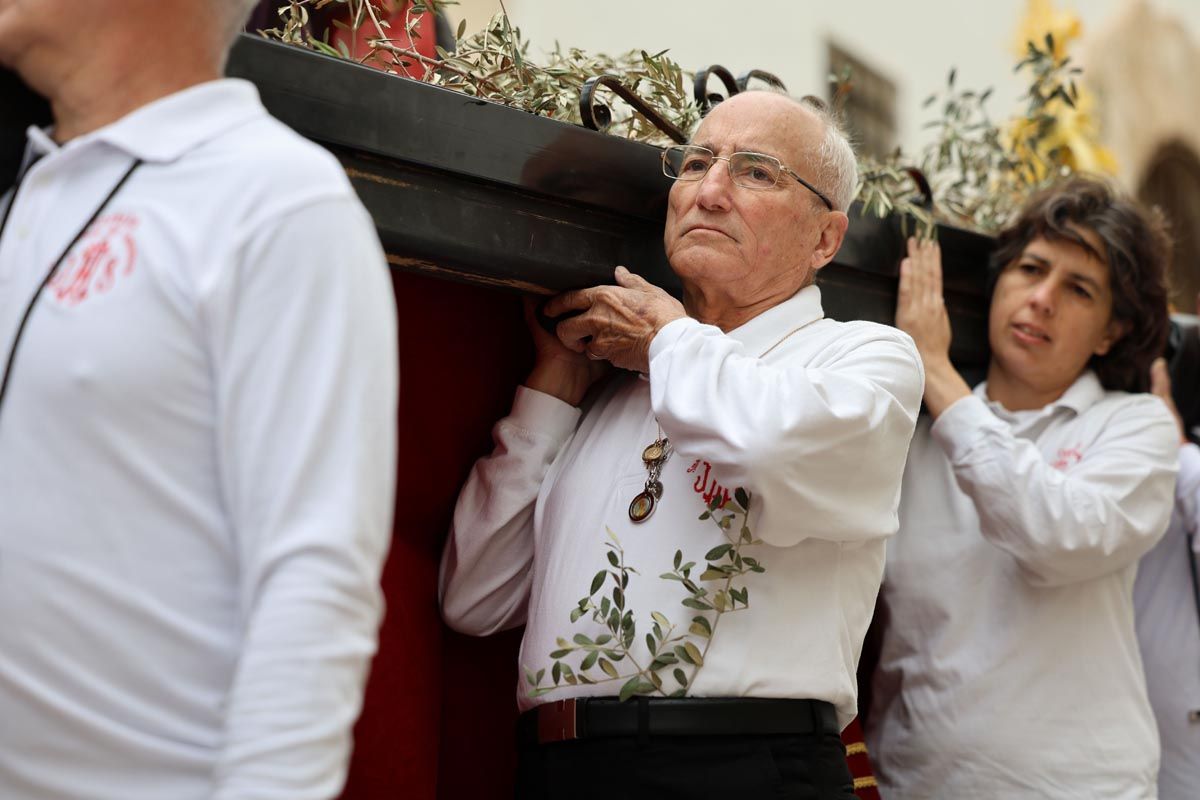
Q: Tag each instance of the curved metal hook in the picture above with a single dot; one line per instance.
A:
(757, 74)
(705, 100)
(598, 116)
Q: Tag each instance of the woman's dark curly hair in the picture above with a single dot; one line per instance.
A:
(1136, 250)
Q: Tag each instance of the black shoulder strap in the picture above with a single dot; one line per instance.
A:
(12, 351)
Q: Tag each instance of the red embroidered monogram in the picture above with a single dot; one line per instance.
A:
(1068, 457)
(703, 487)
(105, 254)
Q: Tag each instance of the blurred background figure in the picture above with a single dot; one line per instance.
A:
(1167, 592)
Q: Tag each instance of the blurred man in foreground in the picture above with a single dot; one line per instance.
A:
(196, 423)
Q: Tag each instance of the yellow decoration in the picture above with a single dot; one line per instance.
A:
(1041, 17)
(1074, 140)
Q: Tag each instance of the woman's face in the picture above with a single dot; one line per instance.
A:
(1051, 312)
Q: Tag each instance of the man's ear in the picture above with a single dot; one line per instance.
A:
(1115, 332)
(833, 231)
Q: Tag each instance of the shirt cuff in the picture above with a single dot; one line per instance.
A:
(545, 414)
(669, 334)
(959, 428)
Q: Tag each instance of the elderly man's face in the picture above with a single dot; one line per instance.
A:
(749, 244)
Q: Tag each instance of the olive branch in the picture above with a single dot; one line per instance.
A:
(672, 648)
(979, 170)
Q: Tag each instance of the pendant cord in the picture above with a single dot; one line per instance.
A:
(12, 351)
(786, 336)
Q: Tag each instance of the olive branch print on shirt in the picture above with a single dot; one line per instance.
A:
(676, 652)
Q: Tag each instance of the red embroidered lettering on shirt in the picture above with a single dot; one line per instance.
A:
(1067, 457)
(106, 253)
(706, 489)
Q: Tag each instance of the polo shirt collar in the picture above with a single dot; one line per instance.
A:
(766, 330)
(1084, 393)
(165, 129)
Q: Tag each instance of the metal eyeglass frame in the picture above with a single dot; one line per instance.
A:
(729, 165)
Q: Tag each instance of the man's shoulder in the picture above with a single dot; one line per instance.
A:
(859, 332)
(263, 152)
(870, 349)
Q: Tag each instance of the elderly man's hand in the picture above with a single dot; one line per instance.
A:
(557, 371)
(617, 323)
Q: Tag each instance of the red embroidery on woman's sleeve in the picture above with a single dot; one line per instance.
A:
(1067, 457)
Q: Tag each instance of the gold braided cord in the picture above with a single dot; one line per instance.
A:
(855, 748)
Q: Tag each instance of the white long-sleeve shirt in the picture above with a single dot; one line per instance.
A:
(1010, 666)
(1168, 629)
(196, 461)
(816, 430)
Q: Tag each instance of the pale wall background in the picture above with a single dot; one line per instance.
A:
(1141, 59)
(913, 42)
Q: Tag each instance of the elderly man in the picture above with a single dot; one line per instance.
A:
(752, 437)
(197, 413)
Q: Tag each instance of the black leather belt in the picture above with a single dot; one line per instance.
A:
(593, 717)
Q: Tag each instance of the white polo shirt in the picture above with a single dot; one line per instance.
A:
(196, 461)
(1010, 666)
(816, 431)
(1168, 628)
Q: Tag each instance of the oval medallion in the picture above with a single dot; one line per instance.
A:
(641, 507)
(653, 453)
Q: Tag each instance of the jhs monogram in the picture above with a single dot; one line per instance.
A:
(705, 487)
(105, 254)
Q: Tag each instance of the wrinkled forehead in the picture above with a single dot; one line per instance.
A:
(768, 123)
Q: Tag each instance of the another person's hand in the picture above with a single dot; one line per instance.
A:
(558, 371)
(921, 313)
(1160, 385)
(920, 306)
(617, 323)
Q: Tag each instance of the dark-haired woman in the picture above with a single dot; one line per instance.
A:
(1009, 664)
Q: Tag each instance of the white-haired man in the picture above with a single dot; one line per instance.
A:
(742, 402)
(197, 419)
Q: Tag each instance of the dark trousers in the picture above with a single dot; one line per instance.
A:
(803, 767)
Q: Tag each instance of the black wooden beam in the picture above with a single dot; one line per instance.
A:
(475, 191)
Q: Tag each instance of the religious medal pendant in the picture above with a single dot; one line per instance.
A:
(642, 506)
(654, 456)
(654, 452)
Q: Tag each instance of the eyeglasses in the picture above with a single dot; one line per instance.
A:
(687, 162)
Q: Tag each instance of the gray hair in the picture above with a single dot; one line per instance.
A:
(837, 166)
